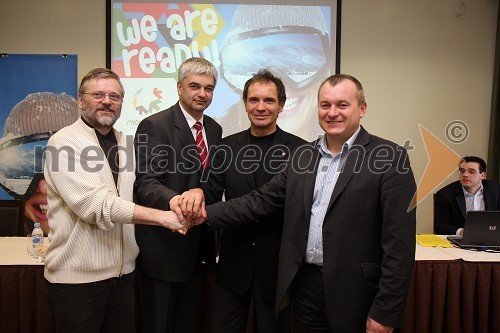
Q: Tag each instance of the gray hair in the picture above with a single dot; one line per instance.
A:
(198, 66)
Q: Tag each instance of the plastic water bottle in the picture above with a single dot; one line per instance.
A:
(37, 238)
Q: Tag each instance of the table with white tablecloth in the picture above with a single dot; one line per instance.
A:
(452, 290)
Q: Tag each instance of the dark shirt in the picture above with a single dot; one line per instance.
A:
(109, 145)
(264, 143)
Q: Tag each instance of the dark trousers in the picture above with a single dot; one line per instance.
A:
(102, 306)
(309, 305)
(310, 314)
(171, 307)
(230, 312)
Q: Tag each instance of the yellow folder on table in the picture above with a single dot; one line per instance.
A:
(431, 240)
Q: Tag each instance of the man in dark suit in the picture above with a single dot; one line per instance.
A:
(348, 243)
(248, 257)
(169, 163)
(471, 192)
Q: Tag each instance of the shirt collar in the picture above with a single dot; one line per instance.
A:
(86, 122)
(321, 145)
(111, 135)
(480, 191)
(190, 120)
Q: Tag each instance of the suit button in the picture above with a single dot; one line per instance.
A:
(253, 244)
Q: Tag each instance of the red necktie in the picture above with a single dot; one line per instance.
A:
(200, 144)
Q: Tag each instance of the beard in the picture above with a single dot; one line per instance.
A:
(97, 120)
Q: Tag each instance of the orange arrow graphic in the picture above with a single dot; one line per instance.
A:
(443, 161)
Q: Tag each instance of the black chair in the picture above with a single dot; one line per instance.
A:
(11, 218)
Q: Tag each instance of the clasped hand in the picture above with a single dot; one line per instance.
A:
(189, 207)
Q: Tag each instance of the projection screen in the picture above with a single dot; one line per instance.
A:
(298, 42)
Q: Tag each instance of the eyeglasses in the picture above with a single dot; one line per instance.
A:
(22, 164)
(100, 96)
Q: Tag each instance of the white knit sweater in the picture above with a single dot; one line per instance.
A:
(91, 235)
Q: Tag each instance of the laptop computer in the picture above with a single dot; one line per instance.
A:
(481, 231)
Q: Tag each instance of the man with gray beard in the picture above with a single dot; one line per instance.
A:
(89, 169)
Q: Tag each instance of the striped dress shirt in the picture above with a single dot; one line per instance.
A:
(329, 168)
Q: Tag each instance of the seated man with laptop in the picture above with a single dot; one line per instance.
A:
(472, 192)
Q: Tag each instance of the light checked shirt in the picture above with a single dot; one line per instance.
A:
(329, 168)
(474, 201)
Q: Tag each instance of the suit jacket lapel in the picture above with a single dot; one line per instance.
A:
(489, 203)
(212, 137)
(310, 178)
(184, 133)
(355, 156)
(185, 136)
(461, 200)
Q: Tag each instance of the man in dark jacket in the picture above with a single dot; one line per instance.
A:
(169, 162)
(348, 242)
(248, 258)
(471, 192)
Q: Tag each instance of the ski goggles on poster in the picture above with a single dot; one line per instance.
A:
(21, 166)
(296, 54)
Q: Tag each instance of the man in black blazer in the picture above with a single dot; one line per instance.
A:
(248, 257)
(450, 207)
(348, 243)
(168, 163)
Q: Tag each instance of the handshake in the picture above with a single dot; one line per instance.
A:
(189, 209)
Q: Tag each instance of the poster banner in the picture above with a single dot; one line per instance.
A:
(37, 98)
(149, 41)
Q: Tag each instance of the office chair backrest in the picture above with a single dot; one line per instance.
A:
(11, 218)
